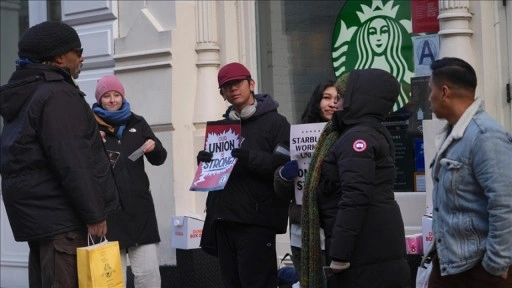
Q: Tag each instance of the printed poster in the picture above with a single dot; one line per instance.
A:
(424, 16)
(303, 139)
(220, 139)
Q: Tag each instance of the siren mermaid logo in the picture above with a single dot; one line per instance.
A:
(375, 34)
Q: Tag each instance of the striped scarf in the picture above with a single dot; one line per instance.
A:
(311, 266)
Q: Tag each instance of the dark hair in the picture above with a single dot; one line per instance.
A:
(454, 71)
(312, 112)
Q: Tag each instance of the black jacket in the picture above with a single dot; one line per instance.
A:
(362, 220)
(249, 196)
(136, 224)
(55, 173)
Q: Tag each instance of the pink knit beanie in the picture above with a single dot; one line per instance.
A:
(106, 84)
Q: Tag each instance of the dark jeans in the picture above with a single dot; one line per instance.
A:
(476, 277)
(247, 255)
(52, 262)
(296, 254)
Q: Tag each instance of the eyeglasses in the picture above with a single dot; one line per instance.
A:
(79, 51)
(235, 83)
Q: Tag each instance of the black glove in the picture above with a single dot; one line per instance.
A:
(241, 154)
(204, 156)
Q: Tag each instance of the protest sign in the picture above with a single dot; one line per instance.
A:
(220, 139)
(303, 139)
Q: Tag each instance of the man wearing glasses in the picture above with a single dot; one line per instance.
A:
(242, 219)
(57, 184)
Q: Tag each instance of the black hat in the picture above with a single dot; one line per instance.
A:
(47, 40)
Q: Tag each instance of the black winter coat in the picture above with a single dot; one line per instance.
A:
(249, 196)
(136, 224)
(56, 176)
(362, 221)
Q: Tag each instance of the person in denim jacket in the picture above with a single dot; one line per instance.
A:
(472, 196)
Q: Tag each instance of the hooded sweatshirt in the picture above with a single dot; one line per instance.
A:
(249, 196)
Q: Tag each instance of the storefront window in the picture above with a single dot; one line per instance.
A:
(14, 19)
(295, 50)
(302, 43)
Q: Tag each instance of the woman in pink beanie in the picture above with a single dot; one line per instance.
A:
(135, 227)
(106, 84)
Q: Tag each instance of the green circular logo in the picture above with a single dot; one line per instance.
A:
(375, 34)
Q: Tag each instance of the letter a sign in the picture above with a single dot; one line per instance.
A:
(426, 51)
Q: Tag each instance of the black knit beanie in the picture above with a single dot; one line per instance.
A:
(47, 40)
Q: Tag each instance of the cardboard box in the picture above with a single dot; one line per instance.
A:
(428, 236)
(186, 232)
(414, 244)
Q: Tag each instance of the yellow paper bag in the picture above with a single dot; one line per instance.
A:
(99, 265)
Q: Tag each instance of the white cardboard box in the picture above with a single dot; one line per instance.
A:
(186, 232)
(428, 236)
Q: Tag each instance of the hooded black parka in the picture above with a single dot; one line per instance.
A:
(362, 221)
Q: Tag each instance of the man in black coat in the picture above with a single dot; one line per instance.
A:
(57, 184)
(242, 219)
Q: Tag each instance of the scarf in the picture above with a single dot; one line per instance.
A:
(311, 275)
(116, 119)
(23, 61)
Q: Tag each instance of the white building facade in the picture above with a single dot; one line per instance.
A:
(167, 54)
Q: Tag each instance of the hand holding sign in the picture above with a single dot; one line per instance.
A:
(204, 156)
(241, 154)
(216, 161)
(290, 170)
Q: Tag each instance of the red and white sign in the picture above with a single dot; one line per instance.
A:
(220, 139)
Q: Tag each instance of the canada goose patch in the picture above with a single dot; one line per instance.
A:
(359, 145)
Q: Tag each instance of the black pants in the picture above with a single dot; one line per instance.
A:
(247, 255)
(476, 277)
(52, 262)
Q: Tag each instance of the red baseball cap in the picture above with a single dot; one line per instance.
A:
(232, 71)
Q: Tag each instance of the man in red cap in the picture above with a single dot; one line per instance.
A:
(242, 219)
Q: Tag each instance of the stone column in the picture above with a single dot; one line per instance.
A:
(455, 33)
(209, 104)
(455, 39)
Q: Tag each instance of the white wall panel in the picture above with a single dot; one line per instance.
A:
(14, 261)
(77, 12)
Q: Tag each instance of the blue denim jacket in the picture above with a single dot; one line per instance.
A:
(472, 197)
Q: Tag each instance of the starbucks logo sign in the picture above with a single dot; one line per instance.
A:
(375, 34)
